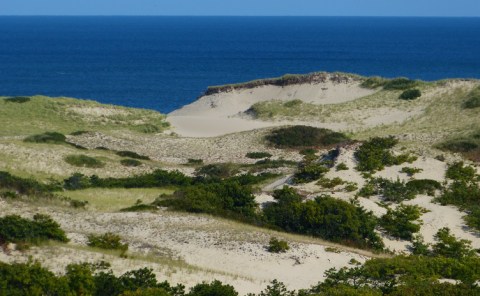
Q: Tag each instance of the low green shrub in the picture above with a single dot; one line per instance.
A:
(218, 170)
(330, 183)
(108, 241)
(373, 82)
(130, 162)
(350, 187)
(48, 137)
(192, 161)
(258, 155)
(79, 133)
(300, 136)
(83, 161)
(309, 171)
(391, 191)
(18, 100)
(16, 229)
(402, 222)
(24, 186)
(410, 171)
(399, 84)
(472, 100)
(410, 94)
(460, 172)
(131, 154)
(277, 246)
(292, 103)
(424, 186)
(342, 167)
(375, 154)
(78, 204)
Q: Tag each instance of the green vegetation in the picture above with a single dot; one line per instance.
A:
(424, 186)
(463, 192)
(277, 246)
(330, 183)
(468, 146)
(324, 217)
(258, 155)
(24, 186)
(48, 138)
(309, 171)
(400, 223)
(374, 82)
(391, 191)
(15, 229)
(399, 84)
(43, 114)
(83, 161)
(292, 103)
(300, 136)
(131, 154)
(18, 100)
(192, 161)
(219, 170)
(411, 94)
(375, 154)
(108, 241)
(130, 162)
(410, 171)
(158, 178)
(472, 100)
(342, 167)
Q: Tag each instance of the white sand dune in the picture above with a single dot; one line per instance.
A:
(219, 114)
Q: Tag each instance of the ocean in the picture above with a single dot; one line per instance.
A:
(163, 63)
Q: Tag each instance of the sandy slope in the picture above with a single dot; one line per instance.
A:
(218, 114)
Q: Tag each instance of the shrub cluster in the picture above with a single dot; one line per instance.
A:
(468, 146)
(324, 217)
(24, 186)
(300, 136)
(80, 160)
(48, 137)
(463, 192)
(411, 171)
(410, 94)
(18, 100)
(277, 246)
(373, 82)
(131, 154)
(16, 229)
(401, 222)
(472, 100)
(391, 191)
(399, 84)
(375, 154)
(128, 162)
(258, 155)
(108, 241)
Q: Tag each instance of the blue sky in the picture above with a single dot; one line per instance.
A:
(243, 7)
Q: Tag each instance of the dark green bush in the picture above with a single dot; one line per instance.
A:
(411, 94)
(48, 137)
(218, 170)
(300, 136)
(400, 223)
(23, 186)
(461, 172)
(310, 171)
(79, 133)
(130, 162)
(131, 154)
(449, 246)
(16, 229)
(342, 167)
(400, 84)
(215, 288)
(410, 171)
(19, 100)
(258, 155)
(374, 82)
(324, 217)
(83, 161)
(473, 99)
(459, 145)
(108, 241)
(78, 204)
(192, 161)
(424, 186)
(391, 191)
(330, 183)
(375, 154)
(277, 246)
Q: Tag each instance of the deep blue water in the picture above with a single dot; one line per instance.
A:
(163, 63)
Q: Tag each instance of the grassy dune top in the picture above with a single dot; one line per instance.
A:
(38, 114)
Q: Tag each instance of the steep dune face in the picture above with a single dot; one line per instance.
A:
(214, 111)
(236, 101)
